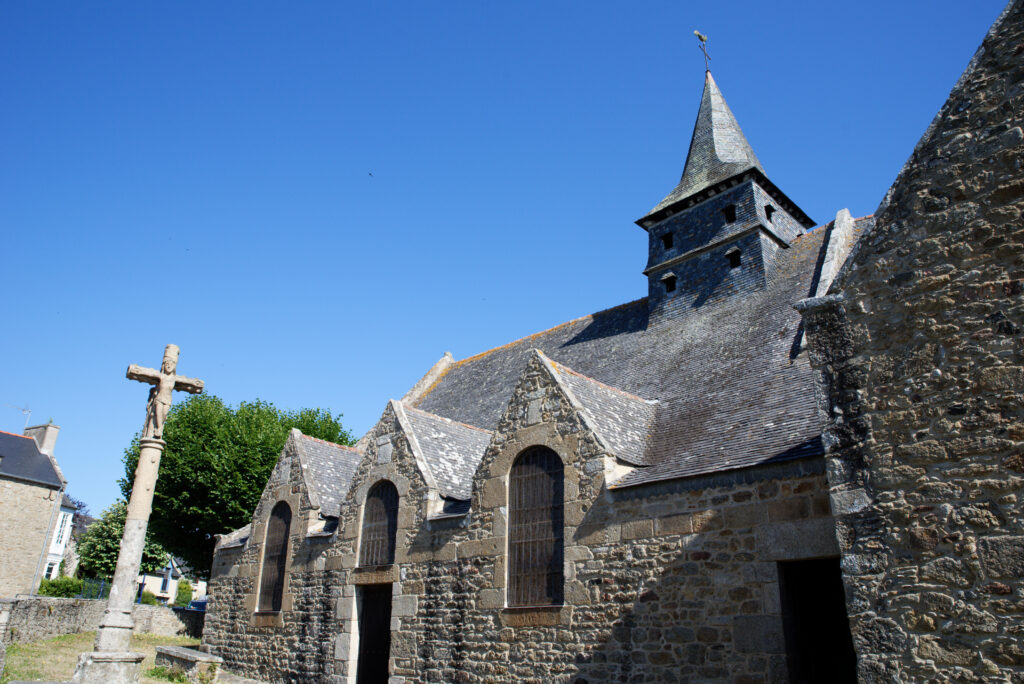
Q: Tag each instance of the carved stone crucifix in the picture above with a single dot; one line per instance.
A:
(111, 662)
(166, 382)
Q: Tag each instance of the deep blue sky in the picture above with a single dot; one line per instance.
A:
(200, 173)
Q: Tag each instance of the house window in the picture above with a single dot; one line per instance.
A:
(50, 568)
(62, 527)
(536, 529)
(729, 212)
(275, 553)
(666, 241)
(380, 524)
(166, 580)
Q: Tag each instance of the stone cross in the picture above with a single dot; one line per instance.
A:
(165, 382)
(111, 661)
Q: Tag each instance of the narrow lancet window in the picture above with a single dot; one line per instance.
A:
(380, 525)
(666, 241)
(729, 213)
(536, 529)
(275, 554)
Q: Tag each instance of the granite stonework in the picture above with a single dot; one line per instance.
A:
(33, 618)
(920, 348)
(696, 470)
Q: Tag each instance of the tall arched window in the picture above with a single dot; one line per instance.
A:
(275, 553)
(536, 531)
(380, 523)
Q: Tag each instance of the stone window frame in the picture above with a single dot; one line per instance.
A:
(280, 505)
(495, 496)
(292, 495)
(362, 525)
(559, 540)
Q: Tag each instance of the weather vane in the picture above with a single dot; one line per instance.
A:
(703, 48)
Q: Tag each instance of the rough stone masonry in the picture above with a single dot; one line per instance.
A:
(920, 348)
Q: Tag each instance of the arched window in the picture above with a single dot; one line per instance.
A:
(536, 533)
(275, 553)
(380, 523)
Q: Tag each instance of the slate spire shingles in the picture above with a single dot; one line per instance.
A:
(718, 149)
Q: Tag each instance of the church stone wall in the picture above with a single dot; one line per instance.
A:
(923, 368)
(675, 581)
(26, 512)
(286, 646)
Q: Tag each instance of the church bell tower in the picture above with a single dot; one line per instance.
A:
(721, 231)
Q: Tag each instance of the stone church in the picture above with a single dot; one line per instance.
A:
(799, 458)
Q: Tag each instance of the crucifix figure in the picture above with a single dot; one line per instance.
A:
(165, 383)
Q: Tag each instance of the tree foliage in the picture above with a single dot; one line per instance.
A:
(99, 545)
(215, 466)
(183, 596)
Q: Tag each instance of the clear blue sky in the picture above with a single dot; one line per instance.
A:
(200, 173)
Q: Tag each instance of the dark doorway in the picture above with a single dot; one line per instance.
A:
(818, 643)
(374, 633)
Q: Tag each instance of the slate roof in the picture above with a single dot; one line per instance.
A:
(623, 420)
(331, 467)
(733, 389)
(718, 148)
(451, 449)
(21, 459)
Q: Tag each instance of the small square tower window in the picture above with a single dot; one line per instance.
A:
(666, 241)
(768, 211)
(669, 281)
(733, 256)
(729, 213)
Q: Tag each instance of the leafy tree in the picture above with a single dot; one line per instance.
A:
(184, 594)
(214, 468)
(99, 545)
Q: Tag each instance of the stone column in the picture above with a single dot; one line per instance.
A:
(112, 660)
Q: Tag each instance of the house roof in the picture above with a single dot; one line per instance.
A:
(733, 388)
(21, 459)
(331, 467)
(451, 449)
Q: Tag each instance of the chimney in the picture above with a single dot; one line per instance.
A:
(46, 439)
(45, 436)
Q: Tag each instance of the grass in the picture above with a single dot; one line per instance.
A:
(55, 659)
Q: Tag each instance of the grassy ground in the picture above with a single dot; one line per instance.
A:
(55, 659)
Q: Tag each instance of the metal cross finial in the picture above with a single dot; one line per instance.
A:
(703, 48)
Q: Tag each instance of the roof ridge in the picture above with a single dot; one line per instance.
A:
(324, 441)
(560, 367)
(448, 420)
(15, 434)
(482, 354)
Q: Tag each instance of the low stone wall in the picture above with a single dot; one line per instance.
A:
(32, 618)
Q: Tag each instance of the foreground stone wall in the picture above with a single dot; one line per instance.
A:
(922, 357)
(26, 513)
(38, 617)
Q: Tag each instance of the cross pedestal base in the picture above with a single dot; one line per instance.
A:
(108, 667)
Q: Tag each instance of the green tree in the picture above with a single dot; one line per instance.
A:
(98, 546)
(214, 468)
(184, 594)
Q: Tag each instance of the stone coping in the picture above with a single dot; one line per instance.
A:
(189, 654)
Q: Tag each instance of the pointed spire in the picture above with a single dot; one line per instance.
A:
(718, 150)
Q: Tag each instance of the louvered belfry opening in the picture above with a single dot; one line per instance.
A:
(536, 529)
(380, 524)
(275, 553)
